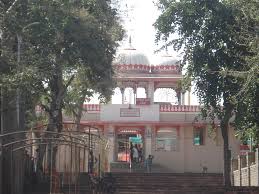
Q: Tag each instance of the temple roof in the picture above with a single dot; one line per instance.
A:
(132, 61)
(131, 56)
(168, 60)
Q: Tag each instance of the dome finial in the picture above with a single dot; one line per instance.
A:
(166, 47)
(130, 45)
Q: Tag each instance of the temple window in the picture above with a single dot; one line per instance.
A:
(166, 139)
(198, 136)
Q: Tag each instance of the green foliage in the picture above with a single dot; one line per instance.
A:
(217, 38)
(207, 33)
(62, 42)
(247, 114)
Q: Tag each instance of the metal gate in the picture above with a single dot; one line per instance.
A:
(49, 161)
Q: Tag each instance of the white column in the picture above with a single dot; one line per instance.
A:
(183, 98)
(189, 97)
(122, 95)
(150, 92)
(135, 95)
(148, 140)
(179, 97)
(111, 139)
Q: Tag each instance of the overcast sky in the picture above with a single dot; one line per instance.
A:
(139, 17)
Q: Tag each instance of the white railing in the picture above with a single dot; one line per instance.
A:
(87, 108)
(91, 107)
(179, 108)
(163, 108)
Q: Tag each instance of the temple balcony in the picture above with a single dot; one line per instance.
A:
(153, 113)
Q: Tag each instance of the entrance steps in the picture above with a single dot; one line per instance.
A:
(168, 183)
(136, 167)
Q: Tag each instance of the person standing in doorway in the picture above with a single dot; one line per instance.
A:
(140, 153)
(135, 153)
(131, 152)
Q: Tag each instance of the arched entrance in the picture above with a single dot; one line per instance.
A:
(125, 136)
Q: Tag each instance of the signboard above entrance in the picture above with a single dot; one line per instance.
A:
(122, 113)
(137, 140)
(130, 112)
(143, 101)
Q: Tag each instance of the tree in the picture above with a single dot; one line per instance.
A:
(208, 32)
(57, 39)
(72, 37)
(247, 114)
(82, 89)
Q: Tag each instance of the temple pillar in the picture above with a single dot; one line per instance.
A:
(150, 92)
(179, 97)
(111, 138)
(134, 95)
(183, 98)
(148, 140)
(146, 92)
(122, 95)
(189, 96)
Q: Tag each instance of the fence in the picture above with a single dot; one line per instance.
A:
(245, 170)
(57, 159)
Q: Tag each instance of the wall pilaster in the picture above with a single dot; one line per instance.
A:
(148, 140)
(150, 92)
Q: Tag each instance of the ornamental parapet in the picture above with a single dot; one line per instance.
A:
(92, 107)
(161, 69)
(179, 108)
(163, 108)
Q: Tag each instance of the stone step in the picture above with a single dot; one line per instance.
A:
(168, 183)
(170, 192)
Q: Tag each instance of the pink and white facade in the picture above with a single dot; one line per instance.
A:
(167, 131)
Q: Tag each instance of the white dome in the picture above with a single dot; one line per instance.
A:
(167, 64)
(131, 57)
(131, 61)
(168, 60)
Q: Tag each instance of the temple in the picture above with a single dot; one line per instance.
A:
(171, 131)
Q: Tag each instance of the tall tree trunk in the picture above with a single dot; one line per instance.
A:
(1, 139)
(224, 125)
(55, 116)
(80, 112)
(55, 124)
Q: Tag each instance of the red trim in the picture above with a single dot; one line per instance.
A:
(161, 69)
(244, 147)
(142, 78)
(160, 123)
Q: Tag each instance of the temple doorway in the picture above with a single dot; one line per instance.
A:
(124, 138)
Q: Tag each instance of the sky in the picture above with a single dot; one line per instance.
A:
(139, 20)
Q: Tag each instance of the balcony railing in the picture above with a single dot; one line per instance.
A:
(179, 108)
(92, 107)
(163, 108)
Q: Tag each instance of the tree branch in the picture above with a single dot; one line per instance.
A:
(47, 109)
(11, 7)
(69, 81)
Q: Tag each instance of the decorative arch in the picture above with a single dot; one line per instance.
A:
(167, 95)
